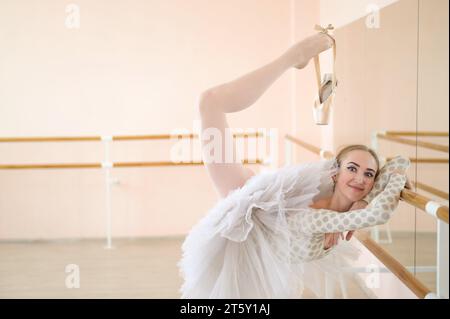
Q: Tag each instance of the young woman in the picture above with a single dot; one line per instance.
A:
(270, 233)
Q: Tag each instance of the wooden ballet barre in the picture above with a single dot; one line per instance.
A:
(115, 138)
(189, 135)
(405, 276)
(428, 160)
(410, 197)
(418, 133)
(405, 141)
(310, 147)
(433, 208)
(117, 164)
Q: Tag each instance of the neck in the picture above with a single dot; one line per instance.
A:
(339, 203)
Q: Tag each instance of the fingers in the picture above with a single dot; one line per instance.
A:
(332, 239)
(330, 242)
(408, 184)
(349, 235)
(335, 239)
(326, 241)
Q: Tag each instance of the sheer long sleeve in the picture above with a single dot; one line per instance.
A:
(377, 212)
(398, 162)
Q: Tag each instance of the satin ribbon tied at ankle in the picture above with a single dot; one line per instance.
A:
(322, 29)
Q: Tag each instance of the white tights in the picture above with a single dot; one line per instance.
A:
(240, 94)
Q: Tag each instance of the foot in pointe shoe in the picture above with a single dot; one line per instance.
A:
(302, 52)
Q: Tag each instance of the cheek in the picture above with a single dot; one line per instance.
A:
(344, 178)
(370, 185)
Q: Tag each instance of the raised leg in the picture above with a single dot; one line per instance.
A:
(240, 94)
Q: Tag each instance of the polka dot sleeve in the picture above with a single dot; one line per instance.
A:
(398, 162)
(377, 212)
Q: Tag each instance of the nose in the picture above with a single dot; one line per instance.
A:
(359, 179)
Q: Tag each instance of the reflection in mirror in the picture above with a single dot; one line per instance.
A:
(432, 135)
(377, 65)
(393, 95)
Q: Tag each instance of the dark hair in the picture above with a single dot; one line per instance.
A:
(343, 150)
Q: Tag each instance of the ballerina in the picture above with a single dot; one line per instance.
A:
(266, 236)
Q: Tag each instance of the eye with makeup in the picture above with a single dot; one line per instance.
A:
(369, 174)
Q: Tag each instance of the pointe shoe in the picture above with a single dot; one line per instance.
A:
(327, 87)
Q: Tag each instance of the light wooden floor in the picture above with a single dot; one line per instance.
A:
(141, 268)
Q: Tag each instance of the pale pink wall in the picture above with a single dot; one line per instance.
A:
(133, 67)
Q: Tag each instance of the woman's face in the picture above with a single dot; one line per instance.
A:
(356, 175)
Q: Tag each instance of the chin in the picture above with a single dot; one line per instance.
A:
(355, 197)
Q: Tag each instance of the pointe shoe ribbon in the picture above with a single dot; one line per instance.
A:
(326, 87)
(322, 29)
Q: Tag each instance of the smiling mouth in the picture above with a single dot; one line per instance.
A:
(356, 188)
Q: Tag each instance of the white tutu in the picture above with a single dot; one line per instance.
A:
(241, 248)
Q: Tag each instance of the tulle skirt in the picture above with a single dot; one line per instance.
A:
(240, 248)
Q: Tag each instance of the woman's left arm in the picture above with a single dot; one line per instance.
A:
(398, 163)
(377, 212)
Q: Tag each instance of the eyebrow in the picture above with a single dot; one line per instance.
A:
(369, 169)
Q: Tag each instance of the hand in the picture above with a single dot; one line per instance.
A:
(408, 184)
(332, 239)
(349, 235)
